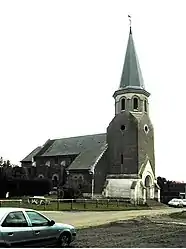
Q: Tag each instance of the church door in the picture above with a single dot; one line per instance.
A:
(148, 184)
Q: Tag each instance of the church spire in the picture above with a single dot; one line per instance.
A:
(131, 74)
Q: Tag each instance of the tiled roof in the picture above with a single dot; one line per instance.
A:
(88, 158)
(31, 155)
(75, 145)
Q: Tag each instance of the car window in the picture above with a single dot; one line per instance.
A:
(15, 219)
(37, 219)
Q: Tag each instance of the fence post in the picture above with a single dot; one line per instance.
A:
(96, 203)
(72, 204)
(58, 204)
(84, 203)
(107, 203)
(117, 203)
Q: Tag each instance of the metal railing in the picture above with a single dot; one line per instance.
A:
(71, 204)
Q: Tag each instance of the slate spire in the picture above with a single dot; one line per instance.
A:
(131, 74)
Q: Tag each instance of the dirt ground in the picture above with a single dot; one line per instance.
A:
(139, 232)
(86, 219)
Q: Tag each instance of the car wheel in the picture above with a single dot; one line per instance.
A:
(64, 239)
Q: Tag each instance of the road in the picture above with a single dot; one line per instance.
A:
(87, 219)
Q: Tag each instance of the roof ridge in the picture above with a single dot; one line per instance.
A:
(80, 136)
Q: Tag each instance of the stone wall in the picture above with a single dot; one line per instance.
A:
(123, 143)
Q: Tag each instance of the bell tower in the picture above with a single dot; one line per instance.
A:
(130, 134)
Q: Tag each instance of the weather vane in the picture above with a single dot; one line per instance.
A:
(129, 20)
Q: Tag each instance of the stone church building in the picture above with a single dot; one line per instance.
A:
(118, 163)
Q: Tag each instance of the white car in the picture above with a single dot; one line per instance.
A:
(38, 200)
(176, 203)
(21, 227)
(184, 202)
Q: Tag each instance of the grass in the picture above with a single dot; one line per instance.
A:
(178, 215)
(89, 205)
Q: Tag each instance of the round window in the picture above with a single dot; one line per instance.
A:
(122, 127)
(146, 129)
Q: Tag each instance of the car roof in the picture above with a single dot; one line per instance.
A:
(5, 210)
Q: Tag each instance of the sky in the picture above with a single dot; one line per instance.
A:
(61, 61)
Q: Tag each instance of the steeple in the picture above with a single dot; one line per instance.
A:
(131, 95)
(131, 78)
(131, 74)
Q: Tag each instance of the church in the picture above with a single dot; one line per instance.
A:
(117, 164)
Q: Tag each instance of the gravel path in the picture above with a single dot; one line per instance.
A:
(132, 233)
(135, 228)
(87, 219)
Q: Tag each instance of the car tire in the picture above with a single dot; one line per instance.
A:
(64, 239)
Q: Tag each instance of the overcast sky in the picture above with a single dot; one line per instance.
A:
(61, 61)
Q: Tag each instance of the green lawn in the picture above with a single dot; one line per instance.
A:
(78, 206)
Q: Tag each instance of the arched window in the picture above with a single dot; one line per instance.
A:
(55, 180)
(135, 103)
(41, 176)
(123, 104)
(145, 105)
(121, 159)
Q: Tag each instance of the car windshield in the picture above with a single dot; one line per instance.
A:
(175, 200)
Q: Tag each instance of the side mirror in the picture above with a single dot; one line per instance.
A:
(51, 222)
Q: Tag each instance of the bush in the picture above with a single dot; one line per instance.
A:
(21, 187)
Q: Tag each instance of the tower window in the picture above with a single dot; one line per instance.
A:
(135, 103)
(145, 105)
(121, 158)
(123, 104)
(146, 129)
(122, 127)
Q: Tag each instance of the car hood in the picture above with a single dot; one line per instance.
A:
(62, 225)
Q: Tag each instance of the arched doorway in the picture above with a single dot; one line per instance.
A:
(148, 184)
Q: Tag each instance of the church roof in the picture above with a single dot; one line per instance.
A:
(88, 158)
(75, 145)
(131, 74)
(31, 155)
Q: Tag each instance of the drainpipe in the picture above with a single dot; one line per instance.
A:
(92, 185)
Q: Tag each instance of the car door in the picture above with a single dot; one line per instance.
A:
(15, 230)
(44, 234)
(184, 202)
